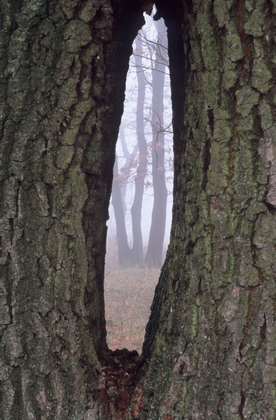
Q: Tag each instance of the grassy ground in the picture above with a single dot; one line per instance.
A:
(128, 297)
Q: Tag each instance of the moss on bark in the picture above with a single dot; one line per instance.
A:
(209, 341)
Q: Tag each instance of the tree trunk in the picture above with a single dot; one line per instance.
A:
(133, 255)
(124, 251)
(136, 209)
(158, 218)
(210, 341)
(119, 191)
(211, 336)
(63, 68)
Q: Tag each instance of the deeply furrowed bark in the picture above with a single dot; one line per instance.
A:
(211, 335)
(210, 340)
(64, 73)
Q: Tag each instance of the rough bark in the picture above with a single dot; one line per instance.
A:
(64, 66)
(211, 335)
(210, 342)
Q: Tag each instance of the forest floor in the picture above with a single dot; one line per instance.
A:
(128, 297)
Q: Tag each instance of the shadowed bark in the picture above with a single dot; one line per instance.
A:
(210, 341)
(210, 335)
(63, 70)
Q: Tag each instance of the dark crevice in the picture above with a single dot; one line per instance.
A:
(263, 329)
(206, 159)
(109, 75)
(122, 369)
(211, 120)
(172, 14)
(120, 375)
(241, 406)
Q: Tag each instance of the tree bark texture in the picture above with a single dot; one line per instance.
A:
(210, 341)
(64, 66)
(211, 336)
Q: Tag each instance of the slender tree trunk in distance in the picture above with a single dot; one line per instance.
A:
(210, 342)
(136, 209)
(158, 218)
(124, 251)
(119, 190)
(133, 255)
(130, 159)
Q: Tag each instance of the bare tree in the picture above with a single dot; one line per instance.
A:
(158, 220)
(151, 65)
(209, 349)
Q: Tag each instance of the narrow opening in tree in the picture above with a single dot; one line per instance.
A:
(209, 345)
(140, 207)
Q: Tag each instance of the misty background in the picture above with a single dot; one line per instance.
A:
(141, 202)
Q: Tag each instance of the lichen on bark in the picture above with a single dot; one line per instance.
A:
(207, 336)
(59, 99)
(209, 342)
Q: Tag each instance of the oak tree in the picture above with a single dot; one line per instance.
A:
(209, 349)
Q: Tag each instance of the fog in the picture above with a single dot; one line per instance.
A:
(151, 58)
(141, 203)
